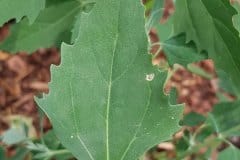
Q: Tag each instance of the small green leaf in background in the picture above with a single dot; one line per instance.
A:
(204, 133)
(21, 128)
(53, 144)
(231, 153)
(51, 28)
(17, 133)
(225, 118)
(165, 29)
(192, 119)
(14, 136)
(182, 145)
(51, 140)
(209, 24)
(193, 68)
(106, 100)
(236, 18)
(19, 8)
(177, 51)
(2, 153)
(225, 82)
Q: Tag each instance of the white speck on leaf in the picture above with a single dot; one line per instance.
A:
(72, 137)
(172, 118)
(150, 77)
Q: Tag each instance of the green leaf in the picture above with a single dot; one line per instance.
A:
(209, 24)
(51, 140)
(192, 119)
(16, 134)
(164, 29)
(2, 153)
(51, 28)
(177, 51)
(236, 18)
(205, 132)
(225, 118)
(229, 153)
(226, 83)
(199, 71)
(19, 8)
(182, 145)
(156, 14)
(106, 100)
(75, 30)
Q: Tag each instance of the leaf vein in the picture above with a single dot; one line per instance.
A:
(76, 128)
(139, 126)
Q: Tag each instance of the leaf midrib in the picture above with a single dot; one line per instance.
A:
(110, 93)
(115, 43)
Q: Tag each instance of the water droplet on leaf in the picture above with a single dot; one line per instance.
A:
(150, 77)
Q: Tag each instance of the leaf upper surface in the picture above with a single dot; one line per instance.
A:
(20, 8)
(229, 153)
(51, 28)
(106, 100)
(177, 51)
